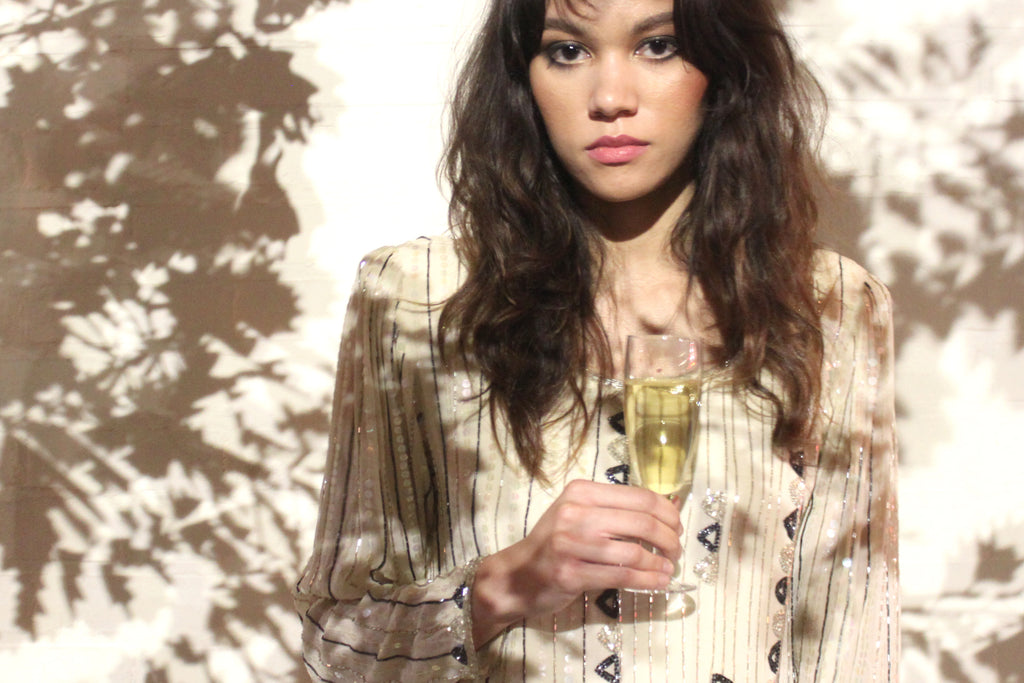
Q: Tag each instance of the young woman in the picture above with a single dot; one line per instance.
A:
(617, 167)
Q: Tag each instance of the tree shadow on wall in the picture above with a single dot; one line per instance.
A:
(968, 216)
(952, 241)
(139, 291)
(952, 631)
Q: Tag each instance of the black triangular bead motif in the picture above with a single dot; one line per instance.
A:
(796, 461)
(608, 602)
(459, 595)
(710, 537)
(610, 669)
(618, 422)
(719, 678)
(618, 474)
(781, 589)
(459, 654)
(790, 523)
(773, 657)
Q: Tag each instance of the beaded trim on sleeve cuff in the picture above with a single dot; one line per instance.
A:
(468, 655)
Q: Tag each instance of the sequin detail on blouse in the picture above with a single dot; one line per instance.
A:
(713, 505)
(787, 556)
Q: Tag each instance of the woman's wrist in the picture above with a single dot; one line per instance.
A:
(494, 602)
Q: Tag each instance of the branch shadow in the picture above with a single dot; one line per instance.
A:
(142, 228)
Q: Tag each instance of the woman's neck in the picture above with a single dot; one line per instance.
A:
(643, 288)
(636, 241)
(644, 224)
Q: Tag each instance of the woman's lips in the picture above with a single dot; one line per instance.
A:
(619, 149)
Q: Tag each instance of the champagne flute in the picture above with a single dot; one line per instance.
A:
(663, 379)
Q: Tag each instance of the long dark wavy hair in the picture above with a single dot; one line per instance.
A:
(526, 314)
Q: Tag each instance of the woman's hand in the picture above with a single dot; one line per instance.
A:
(584, 541)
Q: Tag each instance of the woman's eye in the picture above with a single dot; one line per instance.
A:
(661, 47)
(566, 53)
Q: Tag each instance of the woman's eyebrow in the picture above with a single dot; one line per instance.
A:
(566, 26)
(563, 25)
(653, 22)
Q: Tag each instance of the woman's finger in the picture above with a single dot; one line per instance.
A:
(597, 527)
(610, 551)
(615, 496)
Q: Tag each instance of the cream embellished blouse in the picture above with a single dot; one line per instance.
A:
(794, 554)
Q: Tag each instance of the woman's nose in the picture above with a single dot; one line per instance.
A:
(613, 93)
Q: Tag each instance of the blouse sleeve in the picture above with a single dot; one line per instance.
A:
(367, 613)
(845, 590)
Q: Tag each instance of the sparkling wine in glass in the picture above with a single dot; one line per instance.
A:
(662, 383)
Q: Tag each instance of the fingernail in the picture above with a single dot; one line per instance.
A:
(667, 567)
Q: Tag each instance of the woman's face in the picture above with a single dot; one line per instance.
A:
(621, 107)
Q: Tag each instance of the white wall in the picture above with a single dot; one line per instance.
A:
(368, 176)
